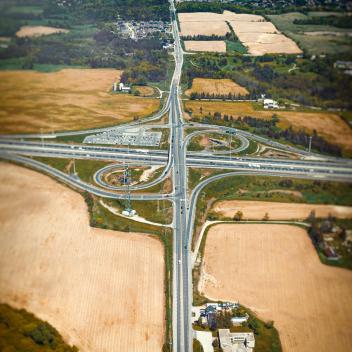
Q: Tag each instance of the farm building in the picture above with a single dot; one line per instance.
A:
(270, 104)
(236, 341)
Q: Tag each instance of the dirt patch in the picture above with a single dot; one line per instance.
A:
(70, 99)
(38, 31)
(218, 46)
(102, 290)
(327, 124)
(216, 86)
(253, 210)
(275, 270)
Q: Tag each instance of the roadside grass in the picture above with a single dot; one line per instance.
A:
(152, 210)
(195, 142)
(103, 218)
(84, 168)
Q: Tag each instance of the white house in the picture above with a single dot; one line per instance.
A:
(123, 88)
(270, 104)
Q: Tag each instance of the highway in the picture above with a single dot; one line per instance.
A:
(175, 161)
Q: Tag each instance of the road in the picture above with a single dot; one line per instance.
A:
(175, 160)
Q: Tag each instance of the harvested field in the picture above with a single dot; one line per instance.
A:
(258, 35)
(70, 99)
(102, 290)
(262, 38)
(275, 271)
(202, 23)
(216, 86)
(38, 31)
(327, 124)
(253, 210)
(218, 46)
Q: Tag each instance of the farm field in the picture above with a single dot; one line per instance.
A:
(70, 99)
(218, 46)
(316, 39)
(327, 124)
(253, 210)
(37, 31)
(259, 36)
(274, 270)
(202, 23)
(52, 258)
(262, 37)
(216, 86)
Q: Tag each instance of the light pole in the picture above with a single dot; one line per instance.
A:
(310, 144)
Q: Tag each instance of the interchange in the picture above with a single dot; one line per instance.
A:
(175, 160)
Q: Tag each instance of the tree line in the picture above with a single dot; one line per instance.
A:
(335, 21)
(229, 96)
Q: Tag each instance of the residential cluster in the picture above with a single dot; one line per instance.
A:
(206, 315)
(137, 30)
(331, 239)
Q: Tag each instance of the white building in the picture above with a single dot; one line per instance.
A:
(270, 104)
(123, 88)
(236, 341)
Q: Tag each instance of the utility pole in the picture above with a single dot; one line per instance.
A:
(230, 146)
(74, 167)
(310, 144)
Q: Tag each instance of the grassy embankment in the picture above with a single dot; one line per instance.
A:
(201, 142)
(22, 331)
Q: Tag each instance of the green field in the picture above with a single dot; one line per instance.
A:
(333, 43)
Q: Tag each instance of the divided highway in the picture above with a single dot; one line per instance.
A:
(175, 161)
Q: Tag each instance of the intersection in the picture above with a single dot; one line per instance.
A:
(175, 160)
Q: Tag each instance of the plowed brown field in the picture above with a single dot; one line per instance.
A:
(275, 270)
(102, 290)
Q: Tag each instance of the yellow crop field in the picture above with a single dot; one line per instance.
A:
(102, 290)
(70, 99)
(216, 86)
(327, 124)
(38, 31)
(215, 46)
(275, 270)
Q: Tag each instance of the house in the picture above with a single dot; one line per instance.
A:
(123, 88)
(270, 104)
(236, 341)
